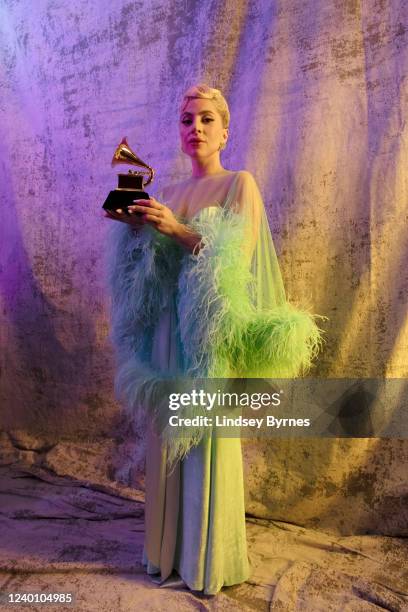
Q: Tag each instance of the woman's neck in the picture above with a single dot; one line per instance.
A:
(202, 168)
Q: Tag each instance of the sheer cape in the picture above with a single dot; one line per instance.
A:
(233, 318)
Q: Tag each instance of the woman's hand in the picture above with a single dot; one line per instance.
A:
(135, 221)
(161, 218)
(147, 211)
(156, 214)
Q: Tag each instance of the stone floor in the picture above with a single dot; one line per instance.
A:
(62, 532)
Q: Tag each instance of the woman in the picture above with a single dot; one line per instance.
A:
(197, 291)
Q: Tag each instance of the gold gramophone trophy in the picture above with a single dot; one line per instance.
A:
(130, 184)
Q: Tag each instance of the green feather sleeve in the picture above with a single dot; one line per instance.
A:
(234, 318)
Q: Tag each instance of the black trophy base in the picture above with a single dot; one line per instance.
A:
(121, 198)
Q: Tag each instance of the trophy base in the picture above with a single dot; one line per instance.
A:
(122, 198)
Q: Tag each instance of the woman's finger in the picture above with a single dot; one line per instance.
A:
(141, 202)
(144, 209)
(139, 208)
(151, 217)
(151, 202)
(111, 214)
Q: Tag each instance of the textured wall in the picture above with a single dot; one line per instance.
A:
(318, 95)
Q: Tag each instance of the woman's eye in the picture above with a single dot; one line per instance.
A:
(205, 120)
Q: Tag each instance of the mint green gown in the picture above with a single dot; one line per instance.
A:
(175, 313)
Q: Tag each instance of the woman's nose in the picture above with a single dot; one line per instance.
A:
(196, 126)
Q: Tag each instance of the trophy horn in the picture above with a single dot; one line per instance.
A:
(125, 155)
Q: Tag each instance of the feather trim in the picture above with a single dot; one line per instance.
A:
(281, 343)
(223, 335)
(142, 271)
(221, 332)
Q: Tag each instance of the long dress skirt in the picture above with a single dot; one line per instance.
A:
(195, 514)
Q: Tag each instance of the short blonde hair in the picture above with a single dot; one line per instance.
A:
(208, 93)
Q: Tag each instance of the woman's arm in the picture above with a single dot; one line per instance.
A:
(188, 238)
(237, 321)
(162, 218)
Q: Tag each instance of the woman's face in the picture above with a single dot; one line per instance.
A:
(201, 130)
